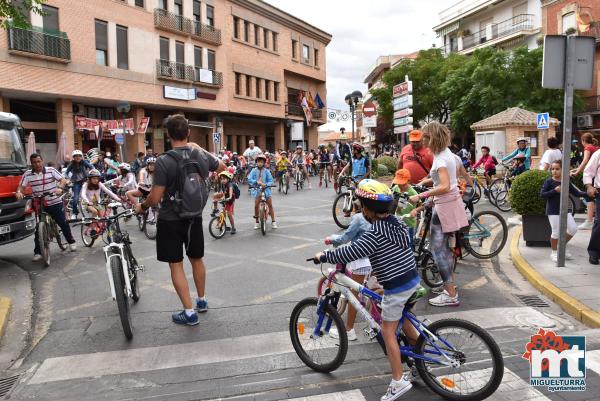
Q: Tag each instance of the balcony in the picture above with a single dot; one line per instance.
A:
(497, 33)
(174, 71)
(184, 26)
(292, 109)
(592, 104)
(36, 42)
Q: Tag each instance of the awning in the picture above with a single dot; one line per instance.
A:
(448, 29)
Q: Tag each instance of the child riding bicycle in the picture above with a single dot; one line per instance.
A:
(261, 176)
(387, 245)
(91, 194)
(145, 177)
(227, 196)
(283, 167)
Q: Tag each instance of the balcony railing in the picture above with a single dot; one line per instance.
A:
(592, 103)
(185, 26)
(39, 43)
(505, 28)
(292, 109)
(187, 73)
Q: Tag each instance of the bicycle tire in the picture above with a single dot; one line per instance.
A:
(214, 229)
(87, 240)
(429, 271)
(498, 369)
(263, 219)
(287, 186)
(134, 281)
(476, 192)
(302, 354)
(502, 200)
(340, 223)
(44, 243)
(480, 255)
(58, 234)
(297, 178)
(142, 220)
(342, 302)
(121, 296)
(150, 228)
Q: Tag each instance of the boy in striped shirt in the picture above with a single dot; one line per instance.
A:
(387, 245)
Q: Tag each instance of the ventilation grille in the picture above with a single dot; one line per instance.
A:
(6, 384)
(532, 300)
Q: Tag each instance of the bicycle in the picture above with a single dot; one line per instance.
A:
(346, 203)
(46, 228)
(499, 190)
(217, 227)
(284, 182)
(147, 222)
(442, 356)
(298, 177)
(94, 227)
(263, 207)
(324, 174)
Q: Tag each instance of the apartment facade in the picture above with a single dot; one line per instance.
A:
(578, 17)
(469, 25)
(233, 67)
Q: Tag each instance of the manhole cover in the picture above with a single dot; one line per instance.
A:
(7, 383)
(533, 301)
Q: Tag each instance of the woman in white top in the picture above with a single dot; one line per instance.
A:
(145, 179)
(126, 179)
(551, 155)
(91, 193)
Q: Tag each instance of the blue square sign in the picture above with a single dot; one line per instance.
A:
(543, 121)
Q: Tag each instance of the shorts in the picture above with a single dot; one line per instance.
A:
(361, 266)
(392, 305)
(322, 165)
(555, 224)
(144, 192)
(280, 173)
(491, 172)
(229, 207)
(172, 236)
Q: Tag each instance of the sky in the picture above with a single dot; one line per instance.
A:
(363, 31)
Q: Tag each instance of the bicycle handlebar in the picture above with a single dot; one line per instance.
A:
(262, 187)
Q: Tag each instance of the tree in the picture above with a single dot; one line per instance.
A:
(14, 12)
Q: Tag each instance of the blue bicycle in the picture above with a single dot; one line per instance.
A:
(455, 358)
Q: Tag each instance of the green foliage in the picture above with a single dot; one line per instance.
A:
(525, 196)
(382, 170)
(13, 13)
(389, 162)
(374, 168)
(577, 180)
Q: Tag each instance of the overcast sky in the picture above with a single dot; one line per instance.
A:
(363, 31)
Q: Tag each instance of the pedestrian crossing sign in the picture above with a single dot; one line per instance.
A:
(543, 121)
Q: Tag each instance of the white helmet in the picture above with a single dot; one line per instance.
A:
(151, 160)
(125, 166)
(77, 152)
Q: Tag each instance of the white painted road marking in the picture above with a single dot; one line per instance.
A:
(352, 395)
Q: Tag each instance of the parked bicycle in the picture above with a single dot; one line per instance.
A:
(346, 204)
(47, 229)
(263, 207)
(447, 355)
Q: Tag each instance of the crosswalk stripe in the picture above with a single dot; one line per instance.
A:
(352, 395)
(592, 360)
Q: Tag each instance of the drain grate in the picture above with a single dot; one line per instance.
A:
(7, 383)
(533, 300)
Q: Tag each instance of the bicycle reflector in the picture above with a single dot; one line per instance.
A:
(301, 328)
(447, 382)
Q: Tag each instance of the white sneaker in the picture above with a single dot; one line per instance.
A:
(411, 374)
(396, 389)
(333, 333)
(554, 256)
(586, 225)
(256, 226)
(274, 225)
(568, 255)
(72, 247)
(36, 258)
(444, 299)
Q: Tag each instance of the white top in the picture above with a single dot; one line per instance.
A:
(448, 160)
(549, 157)
(145, 179)
(93, 196)
(250, 154)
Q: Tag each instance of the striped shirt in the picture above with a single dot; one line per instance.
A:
(387, 245)
(45, 181)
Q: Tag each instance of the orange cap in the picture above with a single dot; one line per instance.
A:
(402, 177)
(415, 135)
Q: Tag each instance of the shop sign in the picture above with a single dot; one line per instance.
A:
(173, 92)
(403, 88)
(84, 123)
(143, 125)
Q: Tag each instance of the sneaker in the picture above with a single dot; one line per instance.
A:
(396, 389)
(554, 256)
(440, 289)
(586, 225)
(444, 299)
(201, 305)
(72, 247)
(411, 374)
(256, 226)
(274, 225)
(233, 230)
(183, 318)
(36, 258)
(333, 333)
(214, 212)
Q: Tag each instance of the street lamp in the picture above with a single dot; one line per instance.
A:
(352, 100)
(123, 107)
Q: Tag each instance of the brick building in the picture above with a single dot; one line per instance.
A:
(562, 16)
(231, 66)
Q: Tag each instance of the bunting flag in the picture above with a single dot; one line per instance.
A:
(319, 102)
(307, 112)
(309, 99)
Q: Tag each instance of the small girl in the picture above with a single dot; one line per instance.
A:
(360, 268)
(225, 194)
(551, 191)
(91, 193)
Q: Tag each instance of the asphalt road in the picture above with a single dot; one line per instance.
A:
(76, 348)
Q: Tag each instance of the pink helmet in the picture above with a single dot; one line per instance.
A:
(231, 169)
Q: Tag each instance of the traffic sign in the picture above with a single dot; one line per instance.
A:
(119, 139)
(369, 109)
(217, 137)
(403, 102)
(403, 113)
(403, 121)
(403, 89)
(543, 121)
(403, 129)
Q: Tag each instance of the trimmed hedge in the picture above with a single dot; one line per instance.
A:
(389, 162)
(382, 170)
(525, 196)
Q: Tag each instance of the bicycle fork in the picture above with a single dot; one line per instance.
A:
(108, 255)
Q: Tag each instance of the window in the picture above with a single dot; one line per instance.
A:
(258, 91)
(267, 89)
(236, 27)
(246, 31)
(122, 48)
(248, 85)
(238, 83)
(101, 42)
(305, 52)
(179, 52)
(294, 48)
(533, 141)
(50, 18)
(211, 60)
(164, 49)
(266, 38)
(197, 57)
(568, 22)
(316, 57)
(274, 41)
(22, 6)
(196, 10)
(210, 15)
(178, 7)
(257, 35)
(276, 91)
(162, 4)
(139, 3)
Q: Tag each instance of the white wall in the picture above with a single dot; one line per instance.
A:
(143, 50)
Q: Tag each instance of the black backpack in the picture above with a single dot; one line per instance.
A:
(236, 191)
(191, 192)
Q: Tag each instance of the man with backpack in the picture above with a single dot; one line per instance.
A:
(179, 180)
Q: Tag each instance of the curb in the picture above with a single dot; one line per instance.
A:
(569, 304)
(5, 307)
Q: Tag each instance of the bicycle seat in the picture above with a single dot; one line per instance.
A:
(418, 294)
(114, 204)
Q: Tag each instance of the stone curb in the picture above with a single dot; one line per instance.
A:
(569, 304)
(5, 307)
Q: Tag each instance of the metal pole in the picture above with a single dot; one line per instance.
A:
(124, 147)
(568, 125)
(352, 112)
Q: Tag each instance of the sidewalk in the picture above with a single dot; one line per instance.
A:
(574, 287)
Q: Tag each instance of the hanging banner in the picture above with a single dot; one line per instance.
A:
(143, 125)
(84, 123)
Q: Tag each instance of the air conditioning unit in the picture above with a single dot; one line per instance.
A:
(585, 121)
(79, 109)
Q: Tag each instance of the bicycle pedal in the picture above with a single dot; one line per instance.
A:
(141, 268)
(370, 333)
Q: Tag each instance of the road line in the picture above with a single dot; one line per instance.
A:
(294, 237)
(225, 266)
(352, 395)
(82, 306)
(290, 265)
(479, 282)
(284, 292)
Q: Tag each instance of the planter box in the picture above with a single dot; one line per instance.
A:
(536, 230)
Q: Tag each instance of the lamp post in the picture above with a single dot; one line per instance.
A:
(123, 108)
(352, 100)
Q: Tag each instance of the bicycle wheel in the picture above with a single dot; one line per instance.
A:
(88, 234)
(141, 218)
(429, 271)
(480, 240)
(44, 242)
(263, 218)
(297, 176)
(134, 280)
(121, 296)
(502, 200)
(342, 210)
(321, 353)
(476, 191)
(217, 226)
(326, 177)
(150, 226)
(481, 366)
(58, 234)
(342, 302)
(286, 186)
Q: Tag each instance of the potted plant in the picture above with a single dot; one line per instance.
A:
(571, 31)
(525, 199)
(463, 32)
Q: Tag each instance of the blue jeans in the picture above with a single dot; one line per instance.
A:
(594, 245)
(75, 201)
(58, 214)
